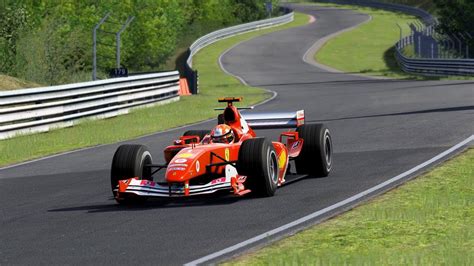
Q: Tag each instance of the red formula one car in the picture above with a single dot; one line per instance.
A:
(229, 158)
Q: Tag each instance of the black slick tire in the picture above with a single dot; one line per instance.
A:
(258, 161)
(129, 161)
(315, 158)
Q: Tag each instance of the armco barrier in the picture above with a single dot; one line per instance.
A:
(432, 66)
(423, 66)
(40, 109)
(214, 36)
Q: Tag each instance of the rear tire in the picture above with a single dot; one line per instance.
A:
(258, 161)
(129, 161)
(315, 158)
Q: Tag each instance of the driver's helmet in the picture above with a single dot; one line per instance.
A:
(222, 134)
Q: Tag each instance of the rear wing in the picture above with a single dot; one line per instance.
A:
(274, 119)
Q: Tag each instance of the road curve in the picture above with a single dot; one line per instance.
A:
(60, 210)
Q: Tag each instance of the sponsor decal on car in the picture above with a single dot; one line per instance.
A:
(177, 165)
(218, 181)
(227, 154)
(176, 168)
(180, 160)
(147, 183)
(295, 145)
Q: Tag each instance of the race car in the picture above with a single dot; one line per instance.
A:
(229, 158)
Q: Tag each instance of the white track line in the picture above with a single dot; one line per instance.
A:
(308, 56)
(330, 208)
(242, 80)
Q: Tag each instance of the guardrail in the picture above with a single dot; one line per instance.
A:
(424, 66)
(192, 75)
(431, 66)
(41, 109)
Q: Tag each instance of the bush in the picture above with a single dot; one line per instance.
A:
(50, 42)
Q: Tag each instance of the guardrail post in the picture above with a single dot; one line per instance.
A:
(117, 39)
(94, 46)
(401, 32)
(459, 44)
(419, 45)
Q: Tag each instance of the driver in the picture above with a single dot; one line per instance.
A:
(222, 134)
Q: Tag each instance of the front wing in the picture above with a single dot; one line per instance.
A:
(148, 188)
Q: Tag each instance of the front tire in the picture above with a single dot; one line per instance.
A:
(258, 161)
(315, 158)
(129, 161)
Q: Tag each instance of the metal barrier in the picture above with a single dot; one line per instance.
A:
(41, 109)
(428, 62)
(431, 66)
(192, 75)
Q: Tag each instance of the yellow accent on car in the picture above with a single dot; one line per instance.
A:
(282, 159)
(185, 155)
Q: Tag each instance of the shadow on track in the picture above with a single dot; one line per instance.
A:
(153, 204)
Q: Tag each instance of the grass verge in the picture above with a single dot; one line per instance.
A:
(11, 83)
(213, 83)
(369, 48)
(427, 221)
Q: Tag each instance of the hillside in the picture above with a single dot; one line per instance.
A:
(427, 5)
(11, 83)
(50, 42)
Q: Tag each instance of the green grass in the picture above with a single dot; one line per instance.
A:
(427, 221)
(427, 5)
(213, 84)
(371, 45)
(369, 48)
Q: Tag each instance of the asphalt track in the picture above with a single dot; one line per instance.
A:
(60, 210)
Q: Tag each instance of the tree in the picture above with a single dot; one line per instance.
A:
(13, 20)
(455, 16)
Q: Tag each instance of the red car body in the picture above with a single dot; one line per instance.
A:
(195, 165)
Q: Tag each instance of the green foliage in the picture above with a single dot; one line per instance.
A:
(13, 20)
(50, 42)
(455, 16)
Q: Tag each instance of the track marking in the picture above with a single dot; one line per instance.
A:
(242, 80)
(340, 204)
(308, 55)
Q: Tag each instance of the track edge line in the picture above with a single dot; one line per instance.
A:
(344, 204)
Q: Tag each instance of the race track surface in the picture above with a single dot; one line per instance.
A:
(60, 210)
